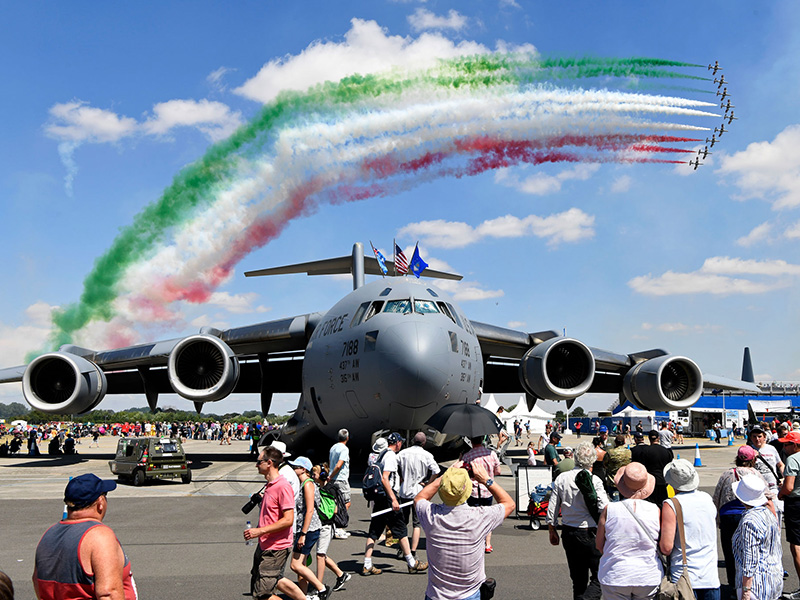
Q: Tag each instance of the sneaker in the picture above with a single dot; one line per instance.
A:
(341, 534)
(419, 567)
(795, 595)
(371, 571)
(401, 556)
(324, 594)
(340, 581)
(313, 595)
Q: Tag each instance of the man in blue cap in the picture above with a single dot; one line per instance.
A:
(80, 557)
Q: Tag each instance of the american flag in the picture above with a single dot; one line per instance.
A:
(400, 261)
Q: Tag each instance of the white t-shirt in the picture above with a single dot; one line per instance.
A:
(389, 463)
(665, 438)
(415, 463)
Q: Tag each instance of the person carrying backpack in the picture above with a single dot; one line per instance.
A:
(393, 517)
(327, 510)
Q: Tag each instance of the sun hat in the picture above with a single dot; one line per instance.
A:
(633, 481)
(681, 475)
(281, 447)
(83, 490)
(566, 449)
(455, 487)
(793, 437)
(380, 445)
(746, 453)
(750, 490)
(302, 462)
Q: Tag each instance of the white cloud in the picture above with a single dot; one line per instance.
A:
(17, 341)
(621, 184)
(465, 291)
(679, 328)
(572, 225)
(237, 303)
(541, 184)
(758, 234)
(793, 231)
(768, 170)
(516, 324)
(76, 122)
(216, 78)
(423, 19)
(214, 119)
(715, 277)
(366, 48)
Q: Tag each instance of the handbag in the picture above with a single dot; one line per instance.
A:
(681, 589)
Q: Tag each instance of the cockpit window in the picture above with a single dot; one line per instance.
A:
(424, 307)
(445, 310)
(398, 306)
(385, 292)
(359, 316)
(455, 315)
(374, 309)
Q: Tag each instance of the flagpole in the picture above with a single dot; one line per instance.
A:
(394, 255)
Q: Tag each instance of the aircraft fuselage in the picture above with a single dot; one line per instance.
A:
(389, 354)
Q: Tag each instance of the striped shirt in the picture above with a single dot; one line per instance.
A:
(455, 538)
(488, 458)
(758, 553)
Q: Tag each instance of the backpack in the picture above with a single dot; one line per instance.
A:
(340, 517)
(327, 505)
(372, 486)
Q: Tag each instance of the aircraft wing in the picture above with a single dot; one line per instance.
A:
(549, 366)
(262, 358)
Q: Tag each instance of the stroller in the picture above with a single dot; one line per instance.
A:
(538, 503)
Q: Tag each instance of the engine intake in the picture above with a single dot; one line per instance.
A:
(203, 368)
(63, 383)
(664, 383)
(559, 369)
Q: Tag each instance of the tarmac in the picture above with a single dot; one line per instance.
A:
(185, 540)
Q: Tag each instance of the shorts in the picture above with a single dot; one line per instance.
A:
(791, 518)
(473, 501)
(268, 566)
(392, 519)
(312, 537)
(344, 487)
(325, 535)
(412, 510)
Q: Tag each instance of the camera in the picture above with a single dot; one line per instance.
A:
(468, 468)
(254, 501)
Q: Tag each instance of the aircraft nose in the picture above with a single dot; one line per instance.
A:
(414, 361)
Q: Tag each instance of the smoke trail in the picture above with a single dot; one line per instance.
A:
(256, 176)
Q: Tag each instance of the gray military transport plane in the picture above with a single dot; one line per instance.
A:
(386, 356)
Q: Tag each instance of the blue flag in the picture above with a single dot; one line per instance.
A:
(381, 260)
(417, 265)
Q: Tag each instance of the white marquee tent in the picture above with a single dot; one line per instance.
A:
(537, 416)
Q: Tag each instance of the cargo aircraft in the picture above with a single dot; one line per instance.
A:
(386, 356)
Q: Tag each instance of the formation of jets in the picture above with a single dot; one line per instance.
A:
(724, 103)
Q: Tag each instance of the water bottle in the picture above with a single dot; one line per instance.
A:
(250, 541)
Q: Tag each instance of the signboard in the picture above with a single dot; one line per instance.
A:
(527, 479)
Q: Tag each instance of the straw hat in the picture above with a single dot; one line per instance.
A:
(633, 481)
(750, 490)
(455, 487)
(681, 475)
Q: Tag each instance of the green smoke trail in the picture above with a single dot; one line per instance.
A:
(198, 185)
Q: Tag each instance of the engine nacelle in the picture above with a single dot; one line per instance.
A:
(63, 383)
(559, 369)
(663, 383)
(203, 368)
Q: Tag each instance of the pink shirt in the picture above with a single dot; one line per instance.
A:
(278, 497)
(488, 458)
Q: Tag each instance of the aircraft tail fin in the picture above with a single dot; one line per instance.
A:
(747, 367)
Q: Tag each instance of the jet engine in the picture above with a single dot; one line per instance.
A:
(663, 383)
(203, 368)
(63, 383)
(559, 369)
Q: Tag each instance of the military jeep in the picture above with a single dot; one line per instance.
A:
(143, 458)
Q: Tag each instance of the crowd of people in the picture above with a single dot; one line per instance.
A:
(628, 519)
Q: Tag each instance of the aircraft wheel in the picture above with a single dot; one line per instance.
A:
(138, 478)
(187, 477)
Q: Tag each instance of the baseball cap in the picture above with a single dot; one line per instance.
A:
(746, 453)
(455, 487)
(638, 435)
(83, 490)
(793, 437)
(756, 429)
(302, 462)
(603, 429)
(394, 438)
(556, 435)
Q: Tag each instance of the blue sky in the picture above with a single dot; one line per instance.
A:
(104, 103)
